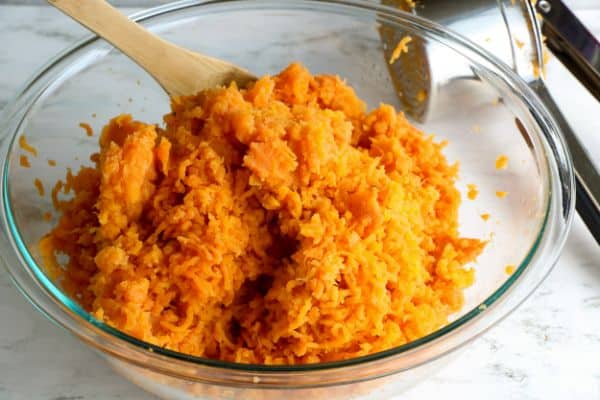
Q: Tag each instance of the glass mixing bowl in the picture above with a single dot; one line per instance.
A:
(481, 107)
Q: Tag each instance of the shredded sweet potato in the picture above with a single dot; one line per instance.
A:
(26, 146)
(278, 224)
(39, 186)
(87, 128)
(472, 191)
(401, 47)
(24, 161)
(501, 162)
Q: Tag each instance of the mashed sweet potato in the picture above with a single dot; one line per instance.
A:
(278, 224)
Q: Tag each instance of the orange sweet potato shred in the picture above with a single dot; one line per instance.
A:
(278, 224)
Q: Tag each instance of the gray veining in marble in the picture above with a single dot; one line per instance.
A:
(548, 349)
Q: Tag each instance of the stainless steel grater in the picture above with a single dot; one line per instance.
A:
(514, 31)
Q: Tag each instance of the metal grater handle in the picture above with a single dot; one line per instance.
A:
(575, 46)
(572, 43)
(586, 175)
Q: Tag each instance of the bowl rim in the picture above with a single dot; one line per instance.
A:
(456, 42)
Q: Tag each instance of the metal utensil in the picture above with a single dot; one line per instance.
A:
(572, 43)
(512, 31)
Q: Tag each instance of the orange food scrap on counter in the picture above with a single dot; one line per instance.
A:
(485, 216)
(39, 186)
(510, 269)
(472, 191)
(401, 47)
(278, 224)
(56, 203)
(52, 163)
(26, 146)
(24, 161)
(501, 194)
(502, 162)
(87, 128)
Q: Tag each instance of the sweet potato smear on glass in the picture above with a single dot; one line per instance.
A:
(278, 224)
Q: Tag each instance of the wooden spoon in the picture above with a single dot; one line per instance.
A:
(177, 70)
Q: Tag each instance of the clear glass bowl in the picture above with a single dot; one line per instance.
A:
(526, 229)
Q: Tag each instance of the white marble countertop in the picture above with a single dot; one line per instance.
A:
(548, 349)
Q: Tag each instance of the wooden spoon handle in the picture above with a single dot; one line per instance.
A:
(132, 39)
(177, 70)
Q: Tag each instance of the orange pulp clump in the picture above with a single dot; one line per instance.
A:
(278, 224)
